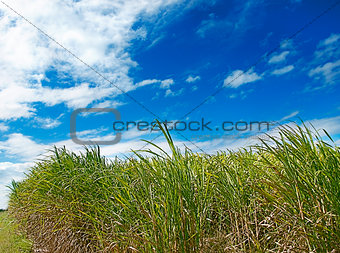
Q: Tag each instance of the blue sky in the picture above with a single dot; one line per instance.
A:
(167, 57)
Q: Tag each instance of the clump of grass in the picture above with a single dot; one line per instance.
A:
(282, 195)
(304, 183)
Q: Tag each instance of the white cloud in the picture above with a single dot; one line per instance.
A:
(3, 127)
(205, 26)
(15, 101)
(286, 44)
(326, 64)
(327, 48)
(165, 84)
(156, 96)
(329, 71)
(242, 94)
(22, 147)
(170, 93)
(279, 57)
(293, 114)
(93, 134)
(147, 82)
(192, 79)
(134, 133)
(47, 123)
(8, 172)
(108, 104)
(333, 38)
(331, 125)
(238, 77)
(283, 70)
(98, 32)
(213, 24)
(26, 149)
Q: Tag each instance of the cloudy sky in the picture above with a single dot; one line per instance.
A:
(235, 61)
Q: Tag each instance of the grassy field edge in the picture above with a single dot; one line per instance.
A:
(280, 196)
(11, 240)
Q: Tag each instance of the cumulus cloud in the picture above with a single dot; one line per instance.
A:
(283, 70)
(16, 101)
(239, 77)
(165, 84)
(192, 79)
(98, 32)
(331, 125)
(22, 147)
(278, 57)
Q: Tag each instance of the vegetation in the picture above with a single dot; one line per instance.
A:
(282, 195)
(10, 240)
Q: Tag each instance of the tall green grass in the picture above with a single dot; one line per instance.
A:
(282, 195)
(10, 240)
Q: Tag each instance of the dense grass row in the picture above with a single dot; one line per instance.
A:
(283, 195)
